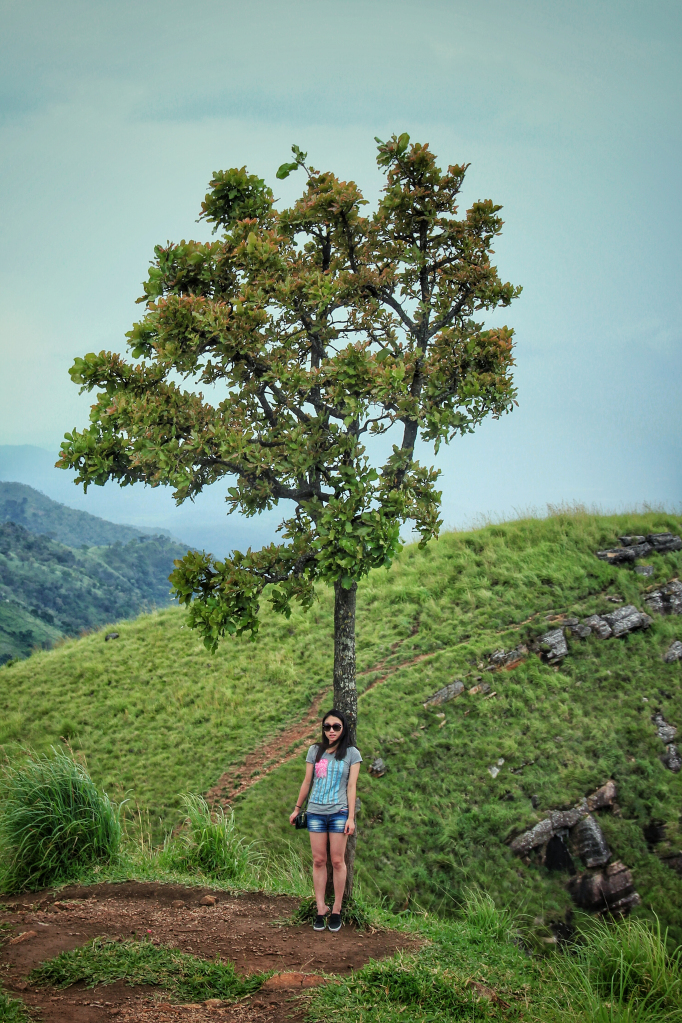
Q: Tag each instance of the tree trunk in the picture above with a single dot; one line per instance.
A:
(345, 693)
(345, 700)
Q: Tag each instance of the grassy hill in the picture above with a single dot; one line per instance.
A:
(155, 715)
(49, 590)
(40, 514)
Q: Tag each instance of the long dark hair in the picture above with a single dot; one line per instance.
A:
(323, 746)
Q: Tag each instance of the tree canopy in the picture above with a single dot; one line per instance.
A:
(326, 325)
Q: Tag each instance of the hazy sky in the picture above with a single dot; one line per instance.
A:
(113, 116)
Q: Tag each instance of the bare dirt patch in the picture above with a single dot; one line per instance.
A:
(247, 929)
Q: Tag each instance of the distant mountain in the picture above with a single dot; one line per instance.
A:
(49, 590)
(203, 523)
(40, 514)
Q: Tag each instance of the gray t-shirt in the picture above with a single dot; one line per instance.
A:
(330, 780)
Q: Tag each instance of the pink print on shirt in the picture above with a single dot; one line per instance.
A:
(321, 768)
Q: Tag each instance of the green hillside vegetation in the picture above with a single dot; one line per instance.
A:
(156, 715)
(49, 590)
(40, 514)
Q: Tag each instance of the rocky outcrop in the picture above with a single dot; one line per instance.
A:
(563, 820)
(565, 834)
(377, 768)
(626, 619)
(633, 547)
(667, 600)
(553, 646)
(609, 891)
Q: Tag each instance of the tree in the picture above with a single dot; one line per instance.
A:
(328, 329)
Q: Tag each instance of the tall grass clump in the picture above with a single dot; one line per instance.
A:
(209, 843)
(622, 973)
(485, 921)
(54, 821)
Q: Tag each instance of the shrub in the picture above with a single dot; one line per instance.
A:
(209, 843)
(53, 821)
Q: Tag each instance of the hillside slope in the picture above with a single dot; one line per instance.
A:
(156, 716)
(40, 514)
(49, 590)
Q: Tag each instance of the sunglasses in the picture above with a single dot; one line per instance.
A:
(332, 728)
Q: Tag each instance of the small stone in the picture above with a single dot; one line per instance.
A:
(213, 1003)
(208, 900)
(581, 631)
(110, 635)
(494, 771)
(177, 904)
(377, 768)
(500, 762)
(535, 801)
(645, 570)
(603, 796)
(673, 653)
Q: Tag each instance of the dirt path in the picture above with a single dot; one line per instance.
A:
(287, 745)
(247, 929)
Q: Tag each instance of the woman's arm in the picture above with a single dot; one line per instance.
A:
(350, 791)
(303, 792)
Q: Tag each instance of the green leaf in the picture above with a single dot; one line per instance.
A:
(285, 170)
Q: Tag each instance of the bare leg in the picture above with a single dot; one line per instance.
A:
(337, 853)
(318, 844)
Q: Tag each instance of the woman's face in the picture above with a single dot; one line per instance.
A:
(333, 729)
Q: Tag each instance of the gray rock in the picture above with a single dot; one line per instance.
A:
(672, 759)
(625, 619)
(377, 767)
(541, 833)
(590, 843)
(553, 645)
(502, 658)
(667, 600)
(581, 631)
(665, 731)
(631, 541)
(673, 653)
(621, 555)
(565, 818)
(664, 542)
(608, 891)
(110, 635)
(447, 693)
(602, 797)
(598, 625)
(645, 570)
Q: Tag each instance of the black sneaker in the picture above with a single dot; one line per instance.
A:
(320, 923)
(335, 922)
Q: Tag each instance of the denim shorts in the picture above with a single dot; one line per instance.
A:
(334, 822)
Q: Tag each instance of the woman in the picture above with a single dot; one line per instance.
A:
(332, 766)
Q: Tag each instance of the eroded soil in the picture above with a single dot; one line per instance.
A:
(248, 929)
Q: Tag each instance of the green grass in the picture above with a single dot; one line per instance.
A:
(209, 843)
(188, 978)
(53, 821)
(12, 1010)
(156, 716)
